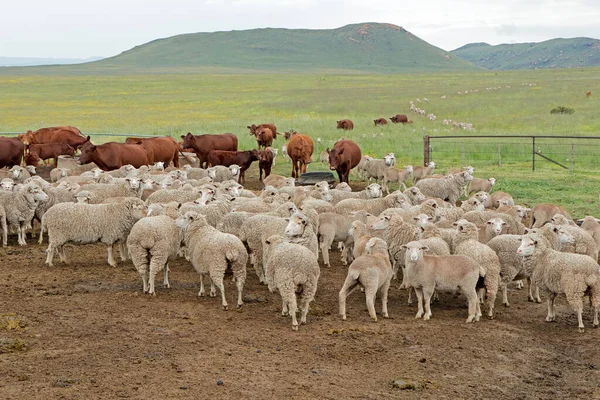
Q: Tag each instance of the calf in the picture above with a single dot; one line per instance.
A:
(226, 158)
(345, 124)
(399, 118)
(265, 162)
(37, 152)
(380, 121)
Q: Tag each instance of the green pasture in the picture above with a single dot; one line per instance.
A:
(177, 103)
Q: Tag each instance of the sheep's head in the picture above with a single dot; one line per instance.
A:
(376, 246)
(528, 245)
(492, 181)
(289, 182)
(297, 223)
(31, 169)
(16, 172)
(496, 225)
(421, 220)
(159, 166)
(415, 194)
(133, 183)
(235, 169)
(564, 237)
(35, 191)
(7, 184)
(374, 191)
(389, 159)
(414, 251)
(344, 187)
(560, 219)
(381, 224)
(431, 165)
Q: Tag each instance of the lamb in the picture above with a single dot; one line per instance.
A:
(18, 174)
(466, 243)
(335, 227)
(421, 172)
(360, 235)
(372, 206)
(414, 195)
(591, 225)
(219, 173)
(544, 212)
(211, 252)
(454, 214)
(292, 268)
(582, 243)
(195, 173)
(502, 198)
(375, 168)
(372, 191)
(299, 230)
(556, 273)
(393, 174)
(182, 195)
(152, 242)
(324, 157)
(478, 184)
(449, 188)
(447, 273)
(373, 272)
(122, 172)
(89, 223)
(278, 181)
(57, 173)
(19, 207)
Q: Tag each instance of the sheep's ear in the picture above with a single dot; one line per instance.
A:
(267, 241)
(504, 224)
(404, 246)
(535, 242)
(489, 222)
(424, 248)
(429, 218)
(527, 230)
(415, 218)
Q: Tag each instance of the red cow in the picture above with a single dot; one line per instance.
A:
(380, 121)
(163, 149)
(300, 149)
(264, 137)
(204, 144)
(290, 134)
(227, 158)
(399, 118)
(11, 152)
(255, 128)
(345, 124)
(58, 134)
(265, 162)
(37, 152)
(344, 156)
(588, 93)
(111, 156)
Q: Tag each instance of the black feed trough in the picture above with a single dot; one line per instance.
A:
(310, 178)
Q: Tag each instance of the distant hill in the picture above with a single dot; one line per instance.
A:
(27, 61)
(358, 48)
(555, 53)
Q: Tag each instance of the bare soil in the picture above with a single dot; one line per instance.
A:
(86, 330)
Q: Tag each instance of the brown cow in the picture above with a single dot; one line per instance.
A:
(300, 149)
(399, 118)
(37, 152)
(227, 158)
(290, 134)
(265, 162)
(11, 152)
(158, 149)
(112, 155)
(380, 121)
(264, 137)
(588, 93)
(255, 128)
(57, 134)
(344, 156)
(204, 144)
(345, 124)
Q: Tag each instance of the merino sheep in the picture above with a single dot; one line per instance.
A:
(278, 181)
(555, 273)
(414, 195)
(485, 185)
(375, 168)
(291, 268)
(446, 273)
(360, 235)
(449, 188)
(421, 172)
(152, 242)
(454, 214)
(19, 207)
(195, 173)
(502, 198)
(393, 174)
(211, 252)
(513, 225)
(397, 234)
(591, 225)
(182, 195)
(219, 173)
(372, 206)
(18, 174)
(372, 191)
(57, 173)
(582, 243)
(373, 272)
(89, 223)
(335, 227)
(55, 196)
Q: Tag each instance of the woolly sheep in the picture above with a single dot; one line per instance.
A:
(414, 195)
(373, 272)
(182, 195)
(299, 230)
(211, 252)
(393, 174)
(335, 227)
(421, 172)
(18, 174)
(360, 168)
(57, 173)
(500, 198)
(19, 207)
(55, 196)
(291, 268)
(219, 173)
(232, 222)
(582, 242)
(375, 168)
(372, 206)
(485, 185)
(518, 212)
(131, 187)
(427, 274)
(152, 242)
(343, 186)
(398, 233)
(372, 191)
(122, 172)
(454, 214)
(449, 188)
(484, 198)
(89, 223)
(513, 225)
(7, 185)
(591, 225)
(468, 168)
(360, 236)
(195, 173)
(278, 181)
(555, 273)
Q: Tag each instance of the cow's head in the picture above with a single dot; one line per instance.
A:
(252, 129)
(335, 157)
(188, 140)
(87, 151)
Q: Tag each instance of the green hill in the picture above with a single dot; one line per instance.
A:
(555, 53)
(358, 48)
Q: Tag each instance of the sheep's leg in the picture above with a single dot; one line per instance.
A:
(384, 298)
(213, 289)
(520, 284)
(481, 295)
(307, 296)
(325, 246)
(293, 308)
(5, 233)
(166, 277)
(473, 303)
(595, 311)
(146, 281)
(111, 256)
(123, 250)
(239, 283)
(348, 287)
(436, 295)
(284, 308)
(419, 293)
(505, 294)
(410, 290)
(427, 293)
(370, 294)
(201, 292)
(531, 298)
(50, 254)
(21, 234)
(384, 186)
(62, 254)
(551, 317)
(217, 280)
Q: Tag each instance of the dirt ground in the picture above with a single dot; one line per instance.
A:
(86, 330)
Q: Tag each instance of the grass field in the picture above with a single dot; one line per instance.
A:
(203, 103)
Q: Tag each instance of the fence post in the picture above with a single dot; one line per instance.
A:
(171, 130)
(499, 157)
(572, 157)
(463, 155)
(425, 150)
(533, 153)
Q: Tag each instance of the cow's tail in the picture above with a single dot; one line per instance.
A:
(187, 157)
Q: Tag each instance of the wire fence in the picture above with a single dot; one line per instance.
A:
(97, 134)
(536, 151)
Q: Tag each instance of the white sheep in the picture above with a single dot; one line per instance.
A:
(421, 172)
(393, 174)
(427, 274)
(219, 173)
(182, 195)
(373, 272)
(502, 198)
(555, 273)
(7, 185)
(375, 168)
(299, 230)
(19, 207)
(372, 206)
(278, 181)
(195, 173)
(89, 223)
(591, 225)
(211, 252)
(372, 191)
(449, 188)
(335, 227)
(57, 173)
(291, 268)
(544, 212)
(478, 184)
(18, 174)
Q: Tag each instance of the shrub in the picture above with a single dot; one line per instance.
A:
(562, 110)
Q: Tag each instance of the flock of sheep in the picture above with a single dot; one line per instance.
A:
(153, 215)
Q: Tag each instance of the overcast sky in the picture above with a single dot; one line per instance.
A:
(85, 28)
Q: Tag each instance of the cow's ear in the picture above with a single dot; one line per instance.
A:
(88, 139)
(93, 148)
(327, 150)
(340, 151)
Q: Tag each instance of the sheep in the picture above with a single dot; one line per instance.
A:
(375, 168)
(468, 168)
(492, 228)
(211, 252)
(427, 273)
(89, 223)
(591, 225)
(57, 173)
(484, 198)
(560, 219)
(454, 214)
(358, 231)
(449, 188)
(393, 174)
(582, 243)
(343, 186)
(214, 212)
(55, 196)
(373, 272)
(31, 169)
(278, 181)
(513, 225)
(428, 207)
(466, 243)
(500, 198)
(195, 173)
(18, 174)
(131, 187)
(421, 172)
(360, 168)
(324, 157)
(19, 207)
(320, 206)
(372, 206)
(299, 230)
(519, 212)
(284, 153)
(512, 266)
(219, 173)
(122, 172)
(335, 227)
(182, 195)
(397, 233)
(152, 242)
(7, 185)
(43, 184)
(414, 195)
(478, 184)
(292, 268)
(556, 273)
(429, 230)
(232, 222)
(372, 191)
(4, 226)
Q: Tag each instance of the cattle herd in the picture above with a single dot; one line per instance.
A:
(130, 198)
